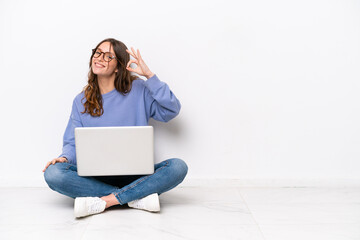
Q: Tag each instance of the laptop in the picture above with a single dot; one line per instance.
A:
(114, 151)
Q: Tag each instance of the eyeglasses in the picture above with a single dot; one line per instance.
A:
(107, 55)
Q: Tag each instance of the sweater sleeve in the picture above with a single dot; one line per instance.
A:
(161, 103)
(68, 149)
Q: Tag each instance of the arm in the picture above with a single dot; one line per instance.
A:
(160, 102)
(68, 150)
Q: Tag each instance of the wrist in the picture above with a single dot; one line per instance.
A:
(149, 75)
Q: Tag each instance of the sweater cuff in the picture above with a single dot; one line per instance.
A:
(153, 83)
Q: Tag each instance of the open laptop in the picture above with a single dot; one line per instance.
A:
(103, 151)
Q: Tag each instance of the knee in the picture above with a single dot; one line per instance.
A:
(179, 168)
(54, 175)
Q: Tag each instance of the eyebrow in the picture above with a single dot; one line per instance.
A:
(102, 50)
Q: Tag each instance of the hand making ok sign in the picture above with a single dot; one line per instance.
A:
(141, 68)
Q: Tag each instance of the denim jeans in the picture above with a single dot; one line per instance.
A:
(63, 178)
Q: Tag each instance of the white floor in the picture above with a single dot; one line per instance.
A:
(190, 213)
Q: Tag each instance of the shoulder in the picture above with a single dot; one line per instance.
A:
(79, 96)
(79, 100)
(138, 82)
(138, 86)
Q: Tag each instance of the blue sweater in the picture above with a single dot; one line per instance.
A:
(150, 98)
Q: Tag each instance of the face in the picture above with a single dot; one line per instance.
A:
(101, 67)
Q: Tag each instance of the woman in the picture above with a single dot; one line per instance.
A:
(114, 97)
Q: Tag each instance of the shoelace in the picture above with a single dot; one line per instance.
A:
(138, 203)
(95, 206)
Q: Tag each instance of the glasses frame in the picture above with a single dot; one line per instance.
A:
(103, 55)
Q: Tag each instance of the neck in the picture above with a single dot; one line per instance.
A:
(106, 83)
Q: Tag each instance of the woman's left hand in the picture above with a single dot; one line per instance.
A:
(141, 68)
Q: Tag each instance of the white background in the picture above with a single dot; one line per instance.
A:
(269, 89)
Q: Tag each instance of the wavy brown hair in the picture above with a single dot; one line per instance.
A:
(123, 79)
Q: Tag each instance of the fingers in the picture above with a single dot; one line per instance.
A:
(128, 65)
(134, 52)
(131, 61)
(138, 61)
(138, 52)
(131, 53)
(55, 160)
(47, 165)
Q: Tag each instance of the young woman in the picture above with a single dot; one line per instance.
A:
(114, 97)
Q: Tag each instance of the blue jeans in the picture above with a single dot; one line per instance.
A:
(63, 178)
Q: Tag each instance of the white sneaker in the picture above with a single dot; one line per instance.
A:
(85, 206)
(150, 203)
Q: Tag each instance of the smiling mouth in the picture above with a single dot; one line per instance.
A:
(99, 65)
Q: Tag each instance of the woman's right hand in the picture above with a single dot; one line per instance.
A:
(55, 160)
